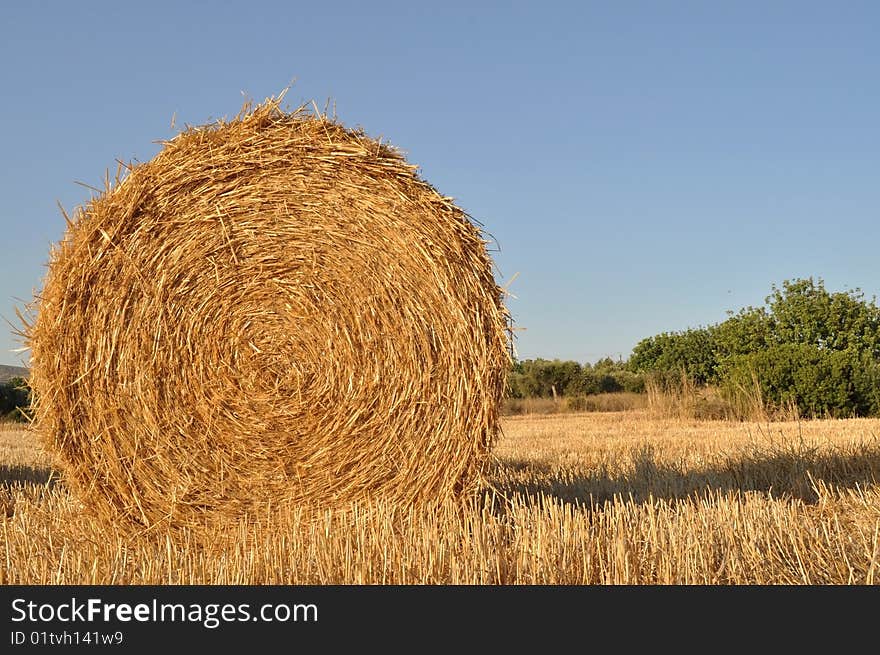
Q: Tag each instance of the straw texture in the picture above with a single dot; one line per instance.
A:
(273, 309)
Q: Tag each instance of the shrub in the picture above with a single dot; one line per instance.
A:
(692, 351)
(15, 400)
(819, 382)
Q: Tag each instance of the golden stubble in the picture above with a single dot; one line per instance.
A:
(605, 498)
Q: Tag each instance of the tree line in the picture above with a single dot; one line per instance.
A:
(806, 347)
(552, 378)
(15, 398)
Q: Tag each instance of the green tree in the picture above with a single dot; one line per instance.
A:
(545, 378)
(15, 399)
(804, 312)
(747, 331)
(806, 345)
(691, 351)
(818, 381)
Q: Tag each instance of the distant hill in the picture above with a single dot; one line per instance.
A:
(9, 372)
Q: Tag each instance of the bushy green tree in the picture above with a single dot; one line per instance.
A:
(866, 382)
(747, 331)
(804, 312)
(691, 351)
(543, 378)
(806, 345)
(14, 399)
(820, 382)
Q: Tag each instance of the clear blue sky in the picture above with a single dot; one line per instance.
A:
(644, 166)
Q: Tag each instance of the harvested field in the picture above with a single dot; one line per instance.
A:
(604, 498)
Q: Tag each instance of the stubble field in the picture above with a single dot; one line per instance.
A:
(593, 498)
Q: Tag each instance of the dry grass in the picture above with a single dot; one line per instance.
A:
(601, 402)
(680, 398)
(274, 308)
(602, 498)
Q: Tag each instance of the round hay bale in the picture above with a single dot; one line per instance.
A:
(273, 309)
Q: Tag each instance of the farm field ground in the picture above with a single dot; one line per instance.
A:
(591, 498)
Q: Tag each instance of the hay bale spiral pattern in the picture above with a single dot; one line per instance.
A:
(274, 308)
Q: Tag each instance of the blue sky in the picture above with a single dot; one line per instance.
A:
(643, 166)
